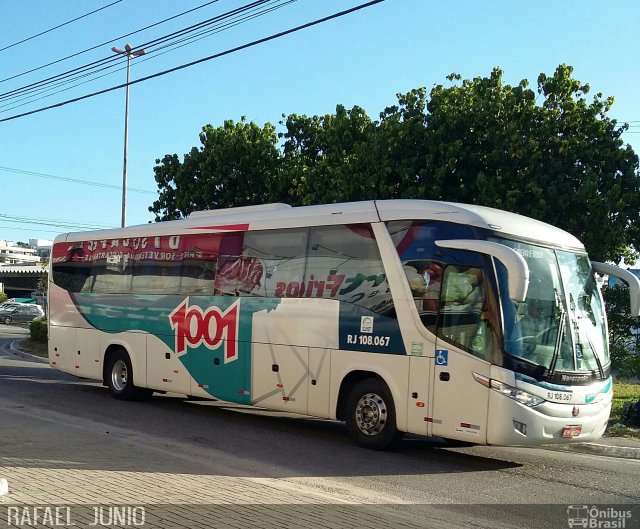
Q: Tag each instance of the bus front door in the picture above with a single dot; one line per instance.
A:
(460, 402)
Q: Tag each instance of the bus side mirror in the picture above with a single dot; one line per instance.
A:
(517, 268)
(627, 277)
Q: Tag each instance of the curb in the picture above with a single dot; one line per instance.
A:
(625, 452)
(27, 356)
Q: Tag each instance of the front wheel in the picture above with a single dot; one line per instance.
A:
(371, 415)
(120, 378)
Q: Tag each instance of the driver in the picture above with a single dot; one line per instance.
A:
(534, 322)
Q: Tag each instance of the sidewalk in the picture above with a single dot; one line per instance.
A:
(623, 447)
(74, 470)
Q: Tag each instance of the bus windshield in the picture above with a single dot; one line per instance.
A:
(561, 324)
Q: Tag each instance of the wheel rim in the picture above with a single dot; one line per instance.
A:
(7, 320)
(119, 375)
(371, 414)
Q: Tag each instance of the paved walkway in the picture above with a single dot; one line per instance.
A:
(51, 459)
(628, 448)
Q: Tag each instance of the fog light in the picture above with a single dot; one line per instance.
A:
(520, 426)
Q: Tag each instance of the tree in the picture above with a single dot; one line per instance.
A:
(325, 158)
(237, 165)
(347, 156)
(561, 161)
(43, 281)
(624, 333)
(550, 154)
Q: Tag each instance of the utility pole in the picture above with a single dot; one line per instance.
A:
(130, 54)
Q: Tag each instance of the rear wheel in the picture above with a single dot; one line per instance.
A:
(371, 415)
(120, 378)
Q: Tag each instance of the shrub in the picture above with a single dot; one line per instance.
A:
(38, 329)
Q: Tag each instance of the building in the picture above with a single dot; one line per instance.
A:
(11, 253)
(23, 266)
(21, 281)
(42, 247)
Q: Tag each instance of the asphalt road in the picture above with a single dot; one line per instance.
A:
(238, 441)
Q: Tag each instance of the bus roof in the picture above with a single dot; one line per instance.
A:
(274, 216)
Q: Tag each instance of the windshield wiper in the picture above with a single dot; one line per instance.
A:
(597, 357)
(556, 350)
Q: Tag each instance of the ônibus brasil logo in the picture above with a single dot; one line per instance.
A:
(213, 327)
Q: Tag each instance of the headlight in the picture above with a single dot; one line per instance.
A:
(516, 394)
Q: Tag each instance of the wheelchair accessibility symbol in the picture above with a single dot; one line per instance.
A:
(442, 357)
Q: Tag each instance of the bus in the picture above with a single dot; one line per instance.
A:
(395, 316)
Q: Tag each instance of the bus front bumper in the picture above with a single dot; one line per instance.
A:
(511, 423)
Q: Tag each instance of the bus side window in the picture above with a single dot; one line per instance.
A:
(74, 277)
(463, 314)
(344, 264)
(239, 275)
(425, 279)
(155, 277)
(198, 276)
(111, 277)
(264, 263)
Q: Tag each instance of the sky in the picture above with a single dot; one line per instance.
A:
(61, 169)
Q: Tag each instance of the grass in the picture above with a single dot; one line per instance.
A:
(623, 392)
(35, 348)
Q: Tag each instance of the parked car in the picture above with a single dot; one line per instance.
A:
(7, 304)
(19, 312)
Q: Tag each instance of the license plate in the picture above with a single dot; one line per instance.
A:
(571, 431)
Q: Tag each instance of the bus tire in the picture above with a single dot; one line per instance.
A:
(120, 378)
(371, 416)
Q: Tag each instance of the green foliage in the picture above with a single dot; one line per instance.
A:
(38, 330)
(555, 157)
(550, 153)
(3, 297)
(326, 158)
(43, 282)
(624, 333)
(236, 165)
(623, 393)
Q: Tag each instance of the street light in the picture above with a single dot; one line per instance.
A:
(130, 54)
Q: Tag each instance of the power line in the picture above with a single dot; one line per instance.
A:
(109, 41)
(28, 229)
(49, 222)
(156, 53)
(204, 59)
(74, 181)
(114, 58)
(112, 61)
(59, 26)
